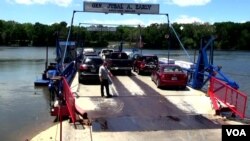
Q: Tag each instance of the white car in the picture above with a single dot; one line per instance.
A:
(106, 51)
(87, 50)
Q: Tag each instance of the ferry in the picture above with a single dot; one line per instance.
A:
(138, 109)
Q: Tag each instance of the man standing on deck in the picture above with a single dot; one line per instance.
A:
(104, 74)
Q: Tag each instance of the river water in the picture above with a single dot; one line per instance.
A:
(24, 109)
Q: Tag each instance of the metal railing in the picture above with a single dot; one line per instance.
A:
(69, 99)
(232, 98)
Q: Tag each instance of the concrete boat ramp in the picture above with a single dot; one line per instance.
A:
(139, 111)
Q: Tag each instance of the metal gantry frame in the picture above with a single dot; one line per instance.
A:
(197, 74)
(77, 11)
(170, 28)
(197, 82)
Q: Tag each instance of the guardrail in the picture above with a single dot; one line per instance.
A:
(235, 100)
(70, 71)
(70, 100)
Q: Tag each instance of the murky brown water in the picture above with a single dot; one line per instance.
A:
(24, 109)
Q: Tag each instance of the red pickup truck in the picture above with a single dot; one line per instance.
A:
(145, 63)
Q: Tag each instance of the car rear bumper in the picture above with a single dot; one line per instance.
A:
(147, 69)
(170, 83)
(88, 76)
(120, 68)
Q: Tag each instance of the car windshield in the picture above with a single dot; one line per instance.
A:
(172, 69)
(88, 50)
(119, 56)
(148, 59)
(96, 61)
(107, 51)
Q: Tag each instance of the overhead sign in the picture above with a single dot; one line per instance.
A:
(123, 8)
(69, 43)
(94, 28)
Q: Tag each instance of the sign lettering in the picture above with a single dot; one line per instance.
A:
(236, 132)
(93, 28)
(121, 8)
(96, 5)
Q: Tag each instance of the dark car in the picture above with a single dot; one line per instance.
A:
(119, 62)
(105, 52)
(145, 63)
(89, 69)
(169, 75)
(134, 56)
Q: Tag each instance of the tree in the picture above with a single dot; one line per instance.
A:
(230, 36)
(40, 33)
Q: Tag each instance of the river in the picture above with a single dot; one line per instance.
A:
(24, 108)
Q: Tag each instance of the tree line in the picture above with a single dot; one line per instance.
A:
(229, 35)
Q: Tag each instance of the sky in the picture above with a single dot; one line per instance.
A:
(180, 11)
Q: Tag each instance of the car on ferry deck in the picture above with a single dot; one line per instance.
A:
(88, 70)
(105, 52)
(169, 75)
(119, 62)
(133, 56)
(86, 50)
(145, 63)
(89, 51)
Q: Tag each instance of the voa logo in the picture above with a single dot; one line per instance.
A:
(236, 132)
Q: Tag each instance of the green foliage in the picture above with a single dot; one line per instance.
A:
(230, 36)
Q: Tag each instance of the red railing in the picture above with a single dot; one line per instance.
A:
(232, 98)
(70, 100)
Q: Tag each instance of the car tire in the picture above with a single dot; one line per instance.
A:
(129, 72)
(79, 80)
(152, 79)
(138, 71)
(134, 69)
(158, 83)
(183, 87)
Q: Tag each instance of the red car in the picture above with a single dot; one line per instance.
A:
(145, 63)
(169, 75)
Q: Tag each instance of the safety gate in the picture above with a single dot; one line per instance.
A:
(235, 100)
